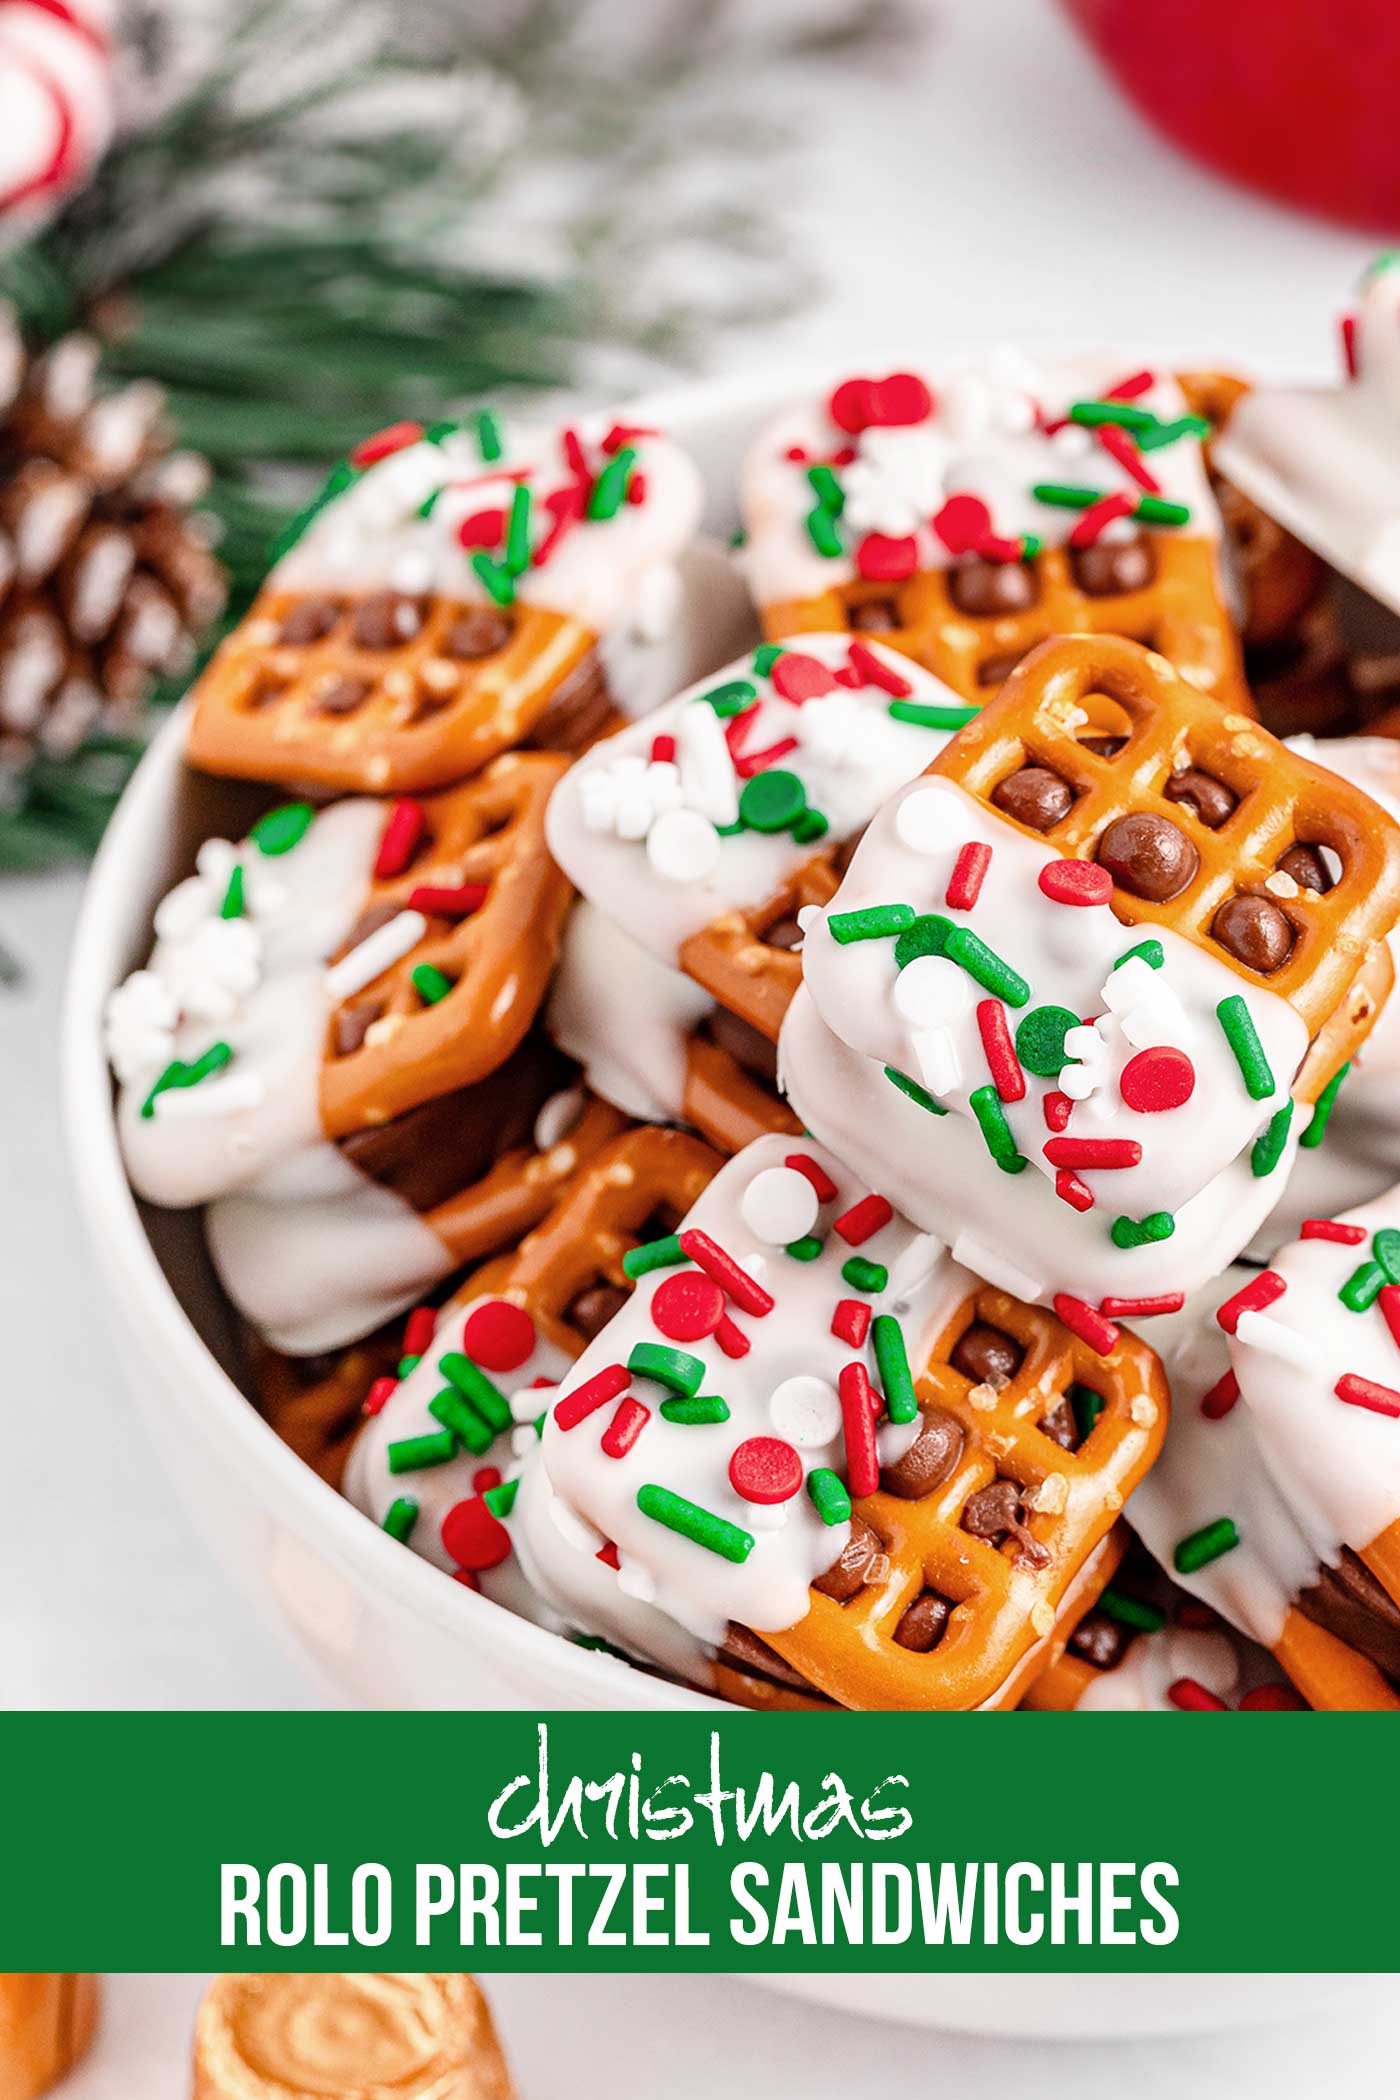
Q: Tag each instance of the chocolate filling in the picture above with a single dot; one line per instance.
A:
(577, 709)
(752, 1052)
(1100, 1641)
(1349, 1602)
(756, 1659)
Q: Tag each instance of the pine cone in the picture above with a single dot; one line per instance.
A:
(106, 579)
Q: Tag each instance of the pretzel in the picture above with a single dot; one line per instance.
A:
(749, 960)
(905, 509)
(445, 600)
(46, 2027)
(315, 1404)
(994, 1597)
(497, 959)
(422, 2037)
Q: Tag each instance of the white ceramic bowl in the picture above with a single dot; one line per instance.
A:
(381, 1623)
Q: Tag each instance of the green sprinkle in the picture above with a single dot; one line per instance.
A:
(1031, 544)
(401, 1518)
(1150, 952)
(764, 658)
(1201, 1547)
(1131, 1611)
(1040, 1040)
(822, 532)
(518, 532)
(1143, 1232)
(1156, 510)
(698, 1413)
(1061, 496)
(436, 432)
(407, 1365)
(730, 699)
(925, 714)
(610, 489)
(772, 801)
(431, 983)
(806, 1249)
(1385, 1246)
(701, 1526)
(985, 1103)
(596, 1645)
(675, 1368)
(1093, 413)
(484, 1394)
(919, 1095)
(811, 825)
(829, 1497)
(1269, 1145)
(1168, 433)
(412, 1454)
(1362, 1287)
(282, 828)
(1326, 1101)
(431, 502)
(488, 435)
(178, 1075)
(876, 922)
(495, 577)
(1087, 1405)
(827, 490)
(985, 966)
(501, 1500)
(232, 906)
(927, 936)
(653, 1254)
(1242, 1036)
(456, 1413)
(863, 1275)
(892, 1361)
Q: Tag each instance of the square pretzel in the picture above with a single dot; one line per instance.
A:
(740, 963)
(1007, 1596)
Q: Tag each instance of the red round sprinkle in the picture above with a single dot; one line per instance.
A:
(1157, 1079)
(1273, 1699)
(850, 406)
(474, 1538)
(765, 1469)
(883, 559)
(393, 438)
(482, 529)
(497, 1336)
(687, 1307)
(963, 523)
(1075, 882)
(900, 399)
(1193, 1698)
(797, 677)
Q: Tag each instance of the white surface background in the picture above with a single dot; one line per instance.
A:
(991, 190)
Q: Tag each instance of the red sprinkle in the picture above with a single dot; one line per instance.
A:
(1091, 522)
(1273, 1699)
(1142, 1308)
(803, 1163)
(882, 559)
(1075, 882)
(1349, 356)
(566, 507)
(625, 1427)
(1262, 1290)
(595, 1392)
(663, 750)
(1157, 1079)
(1000, 1051)
(1193, 1698)
(1092, 1152)
(687, 1307)
(399, 840)
(850, 1322)
(380, 1394)
(863, 1220)
(419, 1329)
(963, 522)
(858, 1409)
(764, 1469)
(732, 1339)
(1216, 1404)
(482, 529)
(438, 902)
(1330, 1229)
(857, 404)
(969, 873)
(872, 670)
(576, 457)
(796, 677)
(736, 729)
(747, 1294)
(1194, 1613)
(626, 434)
(474, 1537)
(1128, 389)
(750, 762)
(1119, 445)
(1071, 1190)
(1087, 1322)
(1057, 1109)
(608, 1555)
(1388, 1299)
(485, 1477)
(1364, 1392)
(392, 438)
(498, 1336)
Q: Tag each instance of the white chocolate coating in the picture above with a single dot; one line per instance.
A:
(1015, 1232)
(624, 1017)
(984, 438)
(1325, 461)
(682, 624)
(1141, 1682)
(686, 1581)
(851, 753)
(1066, 954)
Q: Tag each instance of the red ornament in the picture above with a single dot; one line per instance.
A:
(474, 1537)
(963, 523)
(765, 1470)
(1079, 882)
(687, 1307)
(1157, 1079)
(882, 559)
(498, 1336)
(797, 677)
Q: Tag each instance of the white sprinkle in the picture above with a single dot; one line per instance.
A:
(1128, 985)
(939, 1065)
(210, 1097)
(523, 1440)
(921, 821)
(528, 1402)
(636, 1581)
(805, 1410)
(183, 910)
(377, 952)
(985, 1262)
(683, 846)
(931, 992)
(633, 814)
(912, 1268)
(761, 1516)
(574, 1529)
(779, 1206)
(707, 770)
(1258, 1330)
(664, 785)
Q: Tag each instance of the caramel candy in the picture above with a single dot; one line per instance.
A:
(343, 2037)
(46, 2026)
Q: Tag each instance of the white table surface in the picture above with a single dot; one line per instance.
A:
(991, 190)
